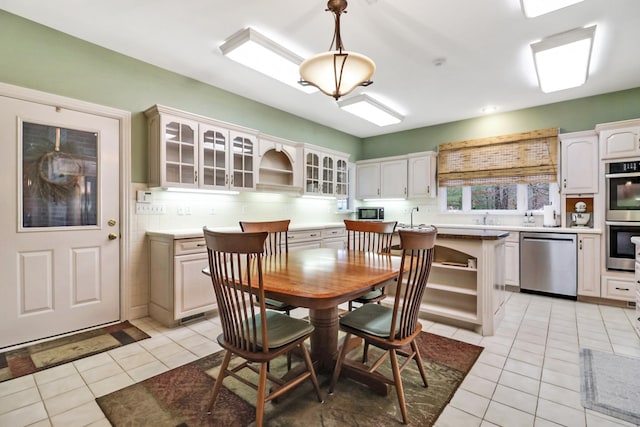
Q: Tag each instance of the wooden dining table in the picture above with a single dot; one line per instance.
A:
(320, 279)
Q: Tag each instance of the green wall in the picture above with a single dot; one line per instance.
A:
(37, 57)
(569, 116)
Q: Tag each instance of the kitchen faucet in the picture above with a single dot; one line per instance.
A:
(413, 209)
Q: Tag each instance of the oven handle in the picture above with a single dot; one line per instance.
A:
(622, 175)
(623, 223)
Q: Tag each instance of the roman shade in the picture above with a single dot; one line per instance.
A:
(520, 158)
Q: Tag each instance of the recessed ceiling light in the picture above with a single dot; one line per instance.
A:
(533, 8)
(369, 109)
(252, 49)
(489, 109)
(562, 60)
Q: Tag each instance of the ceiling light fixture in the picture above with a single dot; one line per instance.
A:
(252, 49)
(369, 109)
(533, 8)
(337, 72)
(562, 60)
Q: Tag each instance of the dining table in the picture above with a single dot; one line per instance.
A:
(321, 279)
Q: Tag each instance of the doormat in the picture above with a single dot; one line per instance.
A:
(36, 357)
(609, 384)
(180, 397)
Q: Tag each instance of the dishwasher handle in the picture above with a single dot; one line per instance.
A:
(549, 239)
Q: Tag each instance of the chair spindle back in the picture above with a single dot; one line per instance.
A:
(369, 236)
(278, 238)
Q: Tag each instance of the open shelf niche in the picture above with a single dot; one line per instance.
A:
(276, 172)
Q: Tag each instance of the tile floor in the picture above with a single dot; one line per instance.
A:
(528, 374)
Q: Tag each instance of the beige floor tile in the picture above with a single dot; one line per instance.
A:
(523, 368)
(560, 414)
(19, 399)
(178, 359)
(92, 361)
(515, 398)
(470, 403)
(563, 366)
(135, 360)
(485, 371)
(17, 384)
(477, 385)
(598, 419)
(101, 372)
(560, 395)
(492, 359)
(453, 417)
(65, 401)
(504, 415)
(82, 415)
(62, 385)
(111, 384)
(559, 379)
(541, 422)
(26, 415)
(527, 357)
(56, 373)
(149, 370)
(520, 382)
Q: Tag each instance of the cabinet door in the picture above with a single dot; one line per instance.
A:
(368, 181)
(342, 178)
(312, 172)
(620, 142)
(393, 179)
(213, 157)
(242, 169)
(589, 265)
(512, 263)
(179, 152)
(193, 292)
(579, 165)
(328, 175)
(421, 176)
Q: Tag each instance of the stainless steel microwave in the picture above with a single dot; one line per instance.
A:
(371, 213)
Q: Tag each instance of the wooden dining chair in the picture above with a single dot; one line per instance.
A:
(276, 242)
(249, 330)
(393, 329)
(369, 236)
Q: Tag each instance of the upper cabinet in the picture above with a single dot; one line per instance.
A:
(399, 177)
(191, 151)
(325, 173)
(619, 139)
(579, 162)
(280, 165)
(422, 175)
(382, 178)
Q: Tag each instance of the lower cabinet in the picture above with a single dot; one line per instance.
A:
(178, 288)
(512, 259)
(331, 237)
(620, 287)
(589, 261)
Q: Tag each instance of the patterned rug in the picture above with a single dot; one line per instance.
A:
(609, 384)
(36, 357)
(179, 397)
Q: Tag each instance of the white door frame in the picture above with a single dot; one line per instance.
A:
(124, 119)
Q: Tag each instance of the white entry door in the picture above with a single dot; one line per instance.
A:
(60, 221)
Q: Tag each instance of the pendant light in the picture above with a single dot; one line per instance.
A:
(337, 72)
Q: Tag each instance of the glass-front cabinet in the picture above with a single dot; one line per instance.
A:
(190, 151)
(326, 174)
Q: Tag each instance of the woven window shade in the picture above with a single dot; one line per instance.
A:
(522, 158)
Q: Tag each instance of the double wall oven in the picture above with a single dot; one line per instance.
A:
(622, 218)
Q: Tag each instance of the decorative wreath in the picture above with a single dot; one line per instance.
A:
(60, 186)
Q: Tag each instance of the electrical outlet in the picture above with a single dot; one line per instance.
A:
(212, 211)
(180, 210)
(187, 210)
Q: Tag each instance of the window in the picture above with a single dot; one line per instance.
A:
(514, 198)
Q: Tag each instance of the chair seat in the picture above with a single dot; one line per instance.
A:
(282, 329)
(371, 295)
(277, 305)
(372, 319)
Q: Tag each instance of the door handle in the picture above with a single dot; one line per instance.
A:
(112, 236)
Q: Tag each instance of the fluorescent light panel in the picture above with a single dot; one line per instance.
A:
(562, 61)
(369, 109)
(533, 8)
(252, 49)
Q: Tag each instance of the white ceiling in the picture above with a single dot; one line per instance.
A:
(485, 45)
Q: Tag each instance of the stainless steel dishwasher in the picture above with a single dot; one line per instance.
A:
(548, 263)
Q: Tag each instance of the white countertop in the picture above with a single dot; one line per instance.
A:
(584, 230)
(188, 233)
(636, 240)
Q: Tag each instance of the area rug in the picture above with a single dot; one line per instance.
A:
(180, 397)
(609, 384)
(36, 357)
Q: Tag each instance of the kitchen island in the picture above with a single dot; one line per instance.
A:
(466, 286)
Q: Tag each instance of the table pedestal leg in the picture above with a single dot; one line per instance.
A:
(324, 340)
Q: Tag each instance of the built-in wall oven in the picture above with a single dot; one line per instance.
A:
(622, 218)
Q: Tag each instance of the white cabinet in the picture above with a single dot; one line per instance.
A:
(589, 265)
(422, 175)
(326, 173)
(330, 237)
(382, 178)
(280, 164)
(512, 259)
(619, 287)
(191, 151)
(178, 288)
(579, 162)
(619, 139)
